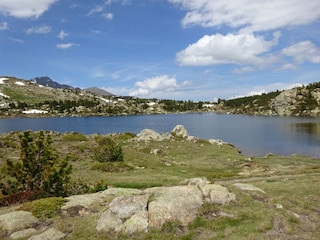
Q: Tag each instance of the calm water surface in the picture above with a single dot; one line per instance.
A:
(253, 135)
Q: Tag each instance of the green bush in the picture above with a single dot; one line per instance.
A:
(39, 168)
(107, 150)
(46, 207)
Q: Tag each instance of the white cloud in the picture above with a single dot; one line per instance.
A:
(3, 26)
(43, 29)
(25, 9)
(243, 70)
(96, 9)
(162, 83)
(258, 90)
(108, 16)
(95, 31)
(66, 45)
(123, 2)
(288, 66)
(304, 51)
(258, 15)
(62, 35)
(243, 48)
(16, 40)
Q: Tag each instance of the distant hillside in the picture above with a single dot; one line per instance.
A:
(18, 96)
(98, 91)
(298, 101)
(48, 82)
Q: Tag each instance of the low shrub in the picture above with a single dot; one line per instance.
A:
(107, 150)
(46, 207)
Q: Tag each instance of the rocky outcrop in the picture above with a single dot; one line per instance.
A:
(125, 214)
(149, 135)
(154, 207)
(285, 103)
(125, 210)
(178, 204)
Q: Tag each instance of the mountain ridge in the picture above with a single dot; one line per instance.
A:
(98, 91)
(48, 82)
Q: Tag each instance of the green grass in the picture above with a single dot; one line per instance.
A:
(27, 95)
(288, 181)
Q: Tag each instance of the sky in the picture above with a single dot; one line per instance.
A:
(198, 50)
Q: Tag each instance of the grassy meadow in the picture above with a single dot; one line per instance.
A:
(288, 207)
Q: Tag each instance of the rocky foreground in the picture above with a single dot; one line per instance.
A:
(250, 198)
(126, 210)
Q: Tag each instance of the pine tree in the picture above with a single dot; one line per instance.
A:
(39, 168)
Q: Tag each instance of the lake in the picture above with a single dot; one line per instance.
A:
(253, 135)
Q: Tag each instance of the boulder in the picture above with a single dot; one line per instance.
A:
(125, 206)
(17, 220)
(179, 203)
(85, 200)
(126, 213)
(139, 222)
(149, 135)
(50, 234)
(109, 221)
(217, 142)
(214, 193)
(23, 233)
(179, 131)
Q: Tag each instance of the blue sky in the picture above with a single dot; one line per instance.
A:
(197, 50)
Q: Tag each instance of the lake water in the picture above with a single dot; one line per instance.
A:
(253, 135)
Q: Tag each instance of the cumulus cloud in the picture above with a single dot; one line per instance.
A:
(25, 9)
(258, 15)
(43, 29)
(304, 51)
(62, 35)
(66, 45)
(162, 83)
(3, 26)
(242, 48)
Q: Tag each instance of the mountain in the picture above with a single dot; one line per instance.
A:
(98, 91)
(48, 82)
(17, 95)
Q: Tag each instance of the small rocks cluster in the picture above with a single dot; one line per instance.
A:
(178, 131)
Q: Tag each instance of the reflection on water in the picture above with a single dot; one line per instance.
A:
(310, 128)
